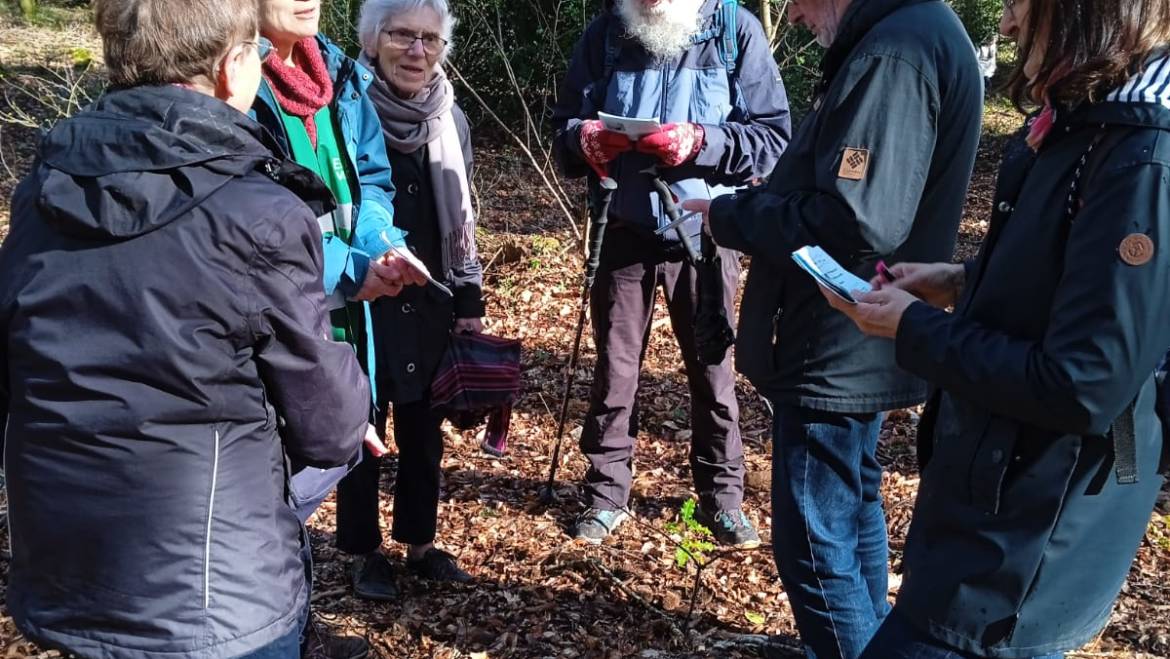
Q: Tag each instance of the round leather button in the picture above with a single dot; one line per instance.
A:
(1136, 249)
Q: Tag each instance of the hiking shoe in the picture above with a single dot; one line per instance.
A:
(595, 524)
(730, 527)
(438, 565)
(373, 578)
(320, 644)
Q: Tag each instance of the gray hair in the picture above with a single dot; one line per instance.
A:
(377, 14)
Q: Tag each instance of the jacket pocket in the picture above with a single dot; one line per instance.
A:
(990, 462)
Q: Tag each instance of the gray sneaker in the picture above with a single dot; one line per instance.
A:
(730, 527)
(595, 524)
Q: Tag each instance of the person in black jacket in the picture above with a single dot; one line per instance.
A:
(405, 43)
(1041, 444)
(164, 354)
(878, 168)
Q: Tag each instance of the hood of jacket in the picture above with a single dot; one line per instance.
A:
(1142, 102)
(141, 157)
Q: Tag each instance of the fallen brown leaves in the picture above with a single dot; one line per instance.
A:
(537, 594)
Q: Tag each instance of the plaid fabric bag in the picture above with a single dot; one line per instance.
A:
(479, 376)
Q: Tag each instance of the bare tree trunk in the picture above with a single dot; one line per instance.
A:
(766, 19)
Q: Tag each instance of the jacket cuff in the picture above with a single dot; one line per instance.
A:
(469, 302)
(724, 228)
(714, 145)
(355, 275)
(912, 343)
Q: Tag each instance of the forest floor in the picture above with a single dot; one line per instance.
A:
(537, 593)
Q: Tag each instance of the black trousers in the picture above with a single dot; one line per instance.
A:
(418, 434)
(622, 307)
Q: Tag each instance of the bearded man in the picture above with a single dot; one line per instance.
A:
(703, 69)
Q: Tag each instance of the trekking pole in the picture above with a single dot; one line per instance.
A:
(667, 197)
(592, 261)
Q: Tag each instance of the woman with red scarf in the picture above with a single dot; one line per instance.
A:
(313, 99)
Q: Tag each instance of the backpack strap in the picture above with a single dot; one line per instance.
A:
(725, 20)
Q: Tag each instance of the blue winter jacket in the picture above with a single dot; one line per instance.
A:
(360, 130)
(744, 112)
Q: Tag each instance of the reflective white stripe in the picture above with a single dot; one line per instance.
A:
(3, 470)
(210, 510)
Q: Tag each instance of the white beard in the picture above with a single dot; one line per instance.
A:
(666, 31)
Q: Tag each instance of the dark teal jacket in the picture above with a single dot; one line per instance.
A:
(1023, 533)
(901, 98)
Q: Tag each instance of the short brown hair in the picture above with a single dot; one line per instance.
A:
(1093, 47)
(170, 41)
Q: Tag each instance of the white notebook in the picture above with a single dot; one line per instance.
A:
(823, 268)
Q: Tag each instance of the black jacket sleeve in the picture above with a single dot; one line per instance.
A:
(1107, 328)
(315, 384)
(573, 103)
(880, 104)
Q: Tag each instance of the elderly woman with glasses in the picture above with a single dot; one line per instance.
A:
(404, 43)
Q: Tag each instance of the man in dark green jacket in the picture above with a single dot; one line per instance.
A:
(878, 169)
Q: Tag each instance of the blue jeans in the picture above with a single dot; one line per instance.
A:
(828, 528)
(898, 639)
(285, 647)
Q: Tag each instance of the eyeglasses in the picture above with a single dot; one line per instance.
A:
(432, 43)
(263, 47)
(1008, 4)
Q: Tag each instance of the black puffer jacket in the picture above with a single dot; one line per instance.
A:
(164, 347)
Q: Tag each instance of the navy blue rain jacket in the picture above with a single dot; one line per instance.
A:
(164, 354)
(1023, 532)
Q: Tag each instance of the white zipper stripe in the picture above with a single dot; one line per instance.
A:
(3, 466)
(207, 543)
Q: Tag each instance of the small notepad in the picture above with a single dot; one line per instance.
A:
(830, 274)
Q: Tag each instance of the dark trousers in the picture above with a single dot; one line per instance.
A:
(898, 639)
(419, 439)
(622, 306)
(828, 529)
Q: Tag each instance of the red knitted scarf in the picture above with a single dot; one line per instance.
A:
(303, 89)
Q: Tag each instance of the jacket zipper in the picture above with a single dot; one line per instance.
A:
(207, 542)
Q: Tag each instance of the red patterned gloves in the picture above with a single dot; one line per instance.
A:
(601, 146)
(674, 144)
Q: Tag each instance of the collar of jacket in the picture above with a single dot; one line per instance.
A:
(859, 18)
(1112, 113)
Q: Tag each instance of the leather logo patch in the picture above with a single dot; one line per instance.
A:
(854, 163)
(1136, 249)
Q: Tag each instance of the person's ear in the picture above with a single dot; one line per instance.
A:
(227, 80)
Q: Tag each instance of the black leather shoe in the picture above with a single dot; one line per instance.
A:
(373, 578)
(438, 565)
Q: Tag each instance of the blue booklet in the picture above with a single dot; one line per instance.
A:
(830, 274)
